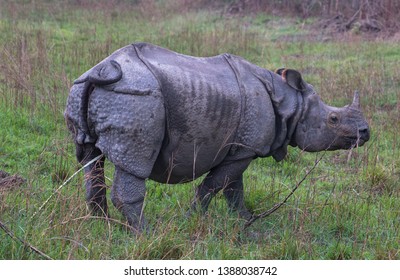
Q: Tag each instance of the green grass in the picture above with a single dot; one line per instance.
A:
(348, 208)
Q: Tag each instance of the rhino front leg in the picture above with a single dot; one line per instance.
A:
(226, 176)
(94, 178)
(127, 194)
(235, 198)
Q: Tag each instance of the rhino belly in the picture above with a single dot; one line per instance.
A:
(183, 160)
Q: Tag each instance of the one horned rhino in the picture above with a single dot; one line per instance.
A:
(170, 117)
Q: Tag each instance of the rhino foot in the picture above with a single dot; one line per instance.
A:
(245, 214)
(98, 206)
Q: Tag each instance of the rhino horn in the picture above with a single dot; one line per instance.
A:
(356, 101)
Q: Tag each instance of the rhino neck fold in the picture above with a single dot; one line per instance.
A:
(228, 59)
(288, 105)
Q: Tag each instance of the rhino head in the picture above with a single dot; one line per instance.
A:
(322, 127)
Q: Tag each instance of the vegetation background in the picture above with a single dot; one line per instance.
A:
(349, 206)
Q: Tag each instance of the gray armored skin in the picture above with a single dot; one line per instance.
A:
(170, 117)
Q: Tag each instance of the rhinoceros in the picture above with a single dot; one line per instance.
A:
(158, 114)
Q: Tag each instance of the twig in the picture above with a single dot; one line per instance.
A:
(100, 218)
(66, 182)
(278, 205)
(26, 244)
(71, 240)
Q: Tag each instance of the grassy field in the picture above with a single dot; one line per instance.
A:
(348, 208)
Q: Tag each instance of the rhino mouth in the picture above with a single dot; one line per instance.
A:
(355, 141)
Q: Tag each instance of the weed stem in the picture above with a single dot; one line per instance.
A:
(66, 182)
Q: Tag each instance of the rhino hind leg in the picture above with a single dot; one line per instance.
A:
(127, 195)
(94, 178)
(227, 177)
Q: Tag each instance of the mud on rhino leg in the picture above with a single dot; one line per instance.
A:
(127, 195)
(94, 178)
(228, 177)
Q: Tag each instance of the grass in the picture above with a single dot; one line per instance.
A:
(347, 209)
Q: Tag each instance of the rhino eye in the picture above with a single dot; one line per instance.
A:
(334, 119)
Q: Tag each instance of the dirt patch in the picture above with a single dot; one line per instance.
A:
(8, 181)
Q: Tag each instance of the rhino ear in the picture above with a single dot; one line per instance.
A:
(279, 71)
(293, 78)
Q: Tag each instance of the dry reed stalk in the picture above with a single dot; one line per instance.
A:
(65, 183)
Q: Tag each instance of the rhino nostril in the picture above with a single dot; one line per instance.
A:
(364, 133)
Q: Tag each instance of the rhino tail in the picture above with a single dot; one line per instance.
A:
(77, 111)
(104, 73)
